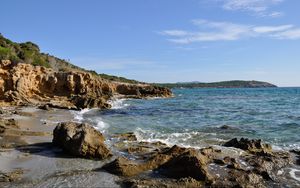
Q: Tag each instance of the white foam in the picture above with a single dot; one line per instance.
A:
(293, 174)
(78, 115)
(170, 139)
(99, 124)
(280, 172)
(118, 103)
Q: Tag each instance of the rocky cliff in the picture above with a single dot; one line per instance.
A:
(23, 84)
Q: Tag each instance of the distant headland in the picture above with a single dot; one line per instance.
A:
(223, 84)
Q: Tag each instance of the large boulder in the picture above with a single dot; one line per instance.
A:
(80, 140)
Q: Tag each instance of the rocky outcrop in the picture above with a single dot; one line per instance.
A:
(80, 140)
(175, 162)
(27, 84)
(257, 167)
(254, 146)
(142, 91)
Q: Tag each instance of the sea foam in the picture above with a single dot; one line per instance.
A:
(118, 103)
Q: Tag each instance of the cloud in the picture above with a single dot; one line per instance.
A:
(101, 64)
(270, 29)
(174, 33)
(289, 34)
(227, 31)
(257, 7)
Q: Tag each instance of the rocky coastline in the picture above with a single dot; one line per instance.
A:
(236, 163)
(24, 84)
(35, 125)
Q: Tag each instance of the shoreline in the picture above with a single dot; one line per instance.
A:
(34, 129)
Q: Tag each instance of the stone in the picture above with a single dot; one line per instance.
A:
(80, 140)
(123, 167)
(253, 146)
(130, 136)
(187, 165)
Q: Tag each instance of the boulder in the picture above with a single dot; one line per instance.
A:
(253, 146)
(187, 165)
(123, 167)
(80, 140)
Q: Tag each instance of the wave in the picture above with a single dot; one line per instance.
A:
(184, 139)
(293, 174)
(118, 103)
(95, 121)
(78, 115)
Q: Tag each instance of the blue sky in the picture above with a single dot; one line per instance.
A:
(165, 40)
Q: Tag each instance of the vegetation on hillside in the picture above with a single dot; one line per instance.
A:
(29, 52)
(225, 84)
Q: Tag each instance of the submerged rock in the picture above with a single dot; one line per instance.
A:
(253, 146)
(130, 136)
(80, 140)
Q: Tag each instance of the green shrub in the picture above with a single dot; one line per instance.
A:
(37, 61)
(4, 53)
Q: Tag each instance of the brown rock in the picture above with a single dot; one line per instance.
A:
(123, 167)
(11, 176)
(189, 164)
(22, 84)
(126, 136)
(253, 146)
(162, 182)
(80, 140)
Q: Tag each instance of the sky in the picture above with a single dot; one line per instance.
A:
(165, 40)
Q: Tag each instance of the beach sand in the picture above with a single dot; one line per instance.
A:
(28, 156)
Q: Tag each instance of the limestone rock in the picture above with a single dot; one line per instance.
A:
(80, 140)
(22, 84)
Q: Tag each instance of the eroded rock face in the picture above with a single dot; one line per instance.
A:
(80, 140)
(27, 84)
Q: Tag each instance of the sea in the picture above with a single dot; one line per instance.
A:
(203, 117)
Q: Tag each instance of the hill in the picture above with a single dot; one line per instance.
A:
(29, 77)
(29, 53)
(224, 84)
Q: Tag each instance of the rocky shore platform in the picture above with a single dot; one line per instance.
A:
(42, 148)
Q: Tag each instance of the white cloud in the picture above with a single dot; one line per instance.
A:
(101, 64)
(270, 29)
(174, 33)
(289, 34)
(227, 31)
(275, 14)
(258, 7)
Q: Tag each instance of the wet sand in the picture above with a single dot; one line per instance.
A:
(34, 162)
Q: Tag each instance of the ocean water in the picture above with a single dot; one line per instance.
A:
(193, 117)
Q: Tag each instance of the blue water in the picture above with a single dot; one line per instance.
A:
(194, 117)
